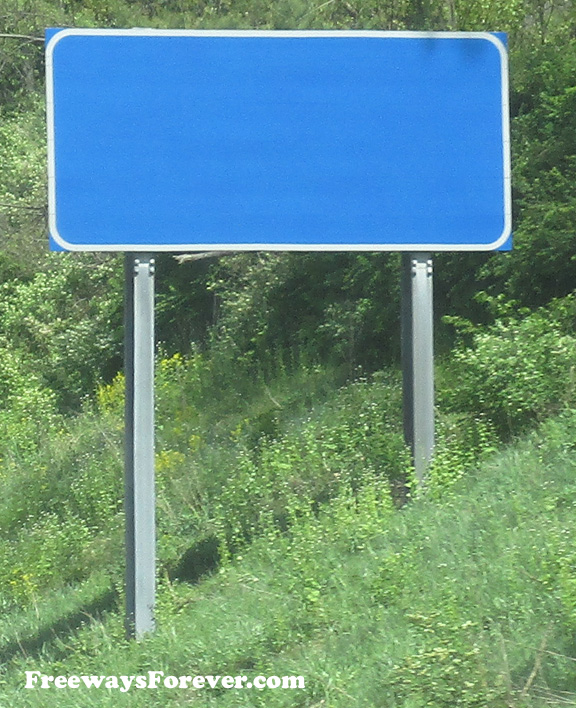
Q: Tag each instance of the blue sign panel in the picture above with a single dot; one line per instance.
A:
(176, 140)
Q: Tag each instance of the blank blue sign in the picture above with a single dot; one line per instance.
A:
(163, 140)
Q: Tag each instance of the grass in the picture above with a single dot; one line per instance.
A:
(469, 600)
(284, 548)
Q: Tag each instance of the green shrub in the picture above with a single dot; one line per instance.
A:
(461, 441)
(27, 407)
(65, 324)
(515, 373)
(285, 476)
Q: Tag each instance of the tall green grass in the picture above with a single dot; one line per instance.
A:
(281, 540)
(468, 601)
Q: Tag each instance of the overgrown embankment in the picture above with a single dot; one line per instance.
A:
(288, 488)
(464, 601)
(284, 546)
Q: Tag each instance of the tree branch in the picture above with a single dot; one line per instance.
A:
(537, 663)
(5, 205)
(185, 257)
(28, 37)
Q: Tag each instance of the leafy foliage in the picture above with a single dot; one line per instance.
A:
(273, 304)
(463, 602)
(65, 325)
(516, 372)
(310, 307)
(443, 603)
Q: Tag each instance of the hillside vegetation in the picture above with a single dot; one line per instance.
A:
(285, 545)
(291, 539)
(463, 600)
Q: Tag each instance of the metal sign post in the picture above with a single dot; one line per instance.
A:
(418, 359)
(139, 445)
